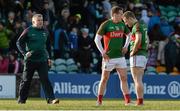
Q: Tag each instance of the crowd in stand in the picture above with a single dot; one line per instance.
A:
(72, 25)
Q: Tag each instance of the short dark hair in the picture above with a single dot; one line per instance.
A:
(116, 9)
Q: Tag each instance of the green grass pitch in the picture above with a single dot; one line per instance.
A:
(87, 104)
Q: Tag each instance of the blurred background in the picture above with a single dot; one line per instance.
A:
(72, 25)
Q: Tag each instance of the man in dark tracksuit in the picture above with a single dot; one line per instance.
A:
(32, 44)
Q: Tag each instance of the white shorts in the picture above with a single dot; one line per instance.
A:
(114, 63)
(138, 61)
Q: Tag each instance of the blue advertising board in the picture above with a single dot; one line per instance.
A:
(86, 86)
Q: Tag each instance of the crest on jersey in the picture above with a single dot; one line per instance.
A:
(117, 27)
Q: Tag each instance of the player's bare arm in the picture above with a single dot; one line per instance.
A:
(125, 48)
(98, 43)
(137, 43)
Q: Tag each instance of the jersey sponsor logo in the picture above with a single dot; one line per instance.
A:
(115, 34)
(174, 89)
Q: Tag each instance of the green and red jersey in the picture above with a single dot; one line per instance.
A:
(113, 34)
(142, 48)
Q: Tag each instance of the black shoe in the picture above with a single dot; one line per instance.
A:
(21, 102)
(54, 101)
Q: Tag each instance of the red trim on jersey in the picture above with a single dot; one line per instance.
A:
(133, 37)
(110, 35)
(106, 42)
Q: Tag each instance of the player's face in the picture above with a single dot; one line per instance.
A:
(38, 22)
(118, 16)
(127, 21)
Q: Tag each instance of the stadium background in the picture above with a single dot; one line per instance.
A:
(67, 20)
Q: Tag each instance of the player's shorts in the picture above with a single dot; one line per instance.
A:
(114, 63)
(138, 61)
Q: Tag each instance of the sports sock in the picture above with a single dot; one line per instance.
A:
(127, 98)
(139, 101)
(99, 99)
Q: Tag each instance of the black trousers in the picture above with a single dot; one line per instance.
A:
(170, 56)
(29, 69)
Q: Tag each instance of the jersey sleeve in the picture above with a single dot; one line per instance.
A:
(138, 28)
(21, 42)
(102, 29)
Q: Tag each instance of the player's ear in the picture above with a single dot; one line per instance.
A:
(33, 22)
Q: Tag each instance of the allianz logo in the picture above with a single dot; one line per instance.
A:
(173, 89)
(96, 87)
(150, 89)
(70, 88)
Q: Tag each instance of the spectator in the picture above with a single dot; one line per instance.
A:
(144, 17)
(19, 9)
(13, 63)
(5, 37)
(73, 39)
(172, 51)
(152, 54)
(49, 39)
(3, 64)
(85, 46)
(75, 21)
(130, 6)
(63, 19)
(60, 43)
(107, 7)
(6, 7)
(28, 16)
(158, 42)
(11, 21)
(48, 14)
(155, 34)
(60, 4)
(17, 30)
(37, 5)
(166, 30)
(91, 16)
(51, 6)
(155, 19)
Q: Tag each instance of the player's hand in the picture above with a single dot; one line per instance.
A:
(49, 62)
(28, 54)
(124, 50)
(105, 57)
(132, 53)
